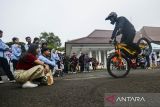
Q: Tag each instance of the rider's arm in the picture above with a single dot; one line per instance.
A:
(114, 32)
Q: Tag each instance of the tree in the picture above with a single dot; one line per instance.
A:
(61, 49)
(52, 40)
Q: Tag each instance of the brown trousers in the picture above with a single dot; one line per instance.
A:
(35, 72)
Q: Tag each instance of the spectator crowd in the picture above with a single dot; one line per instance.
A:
(35, 64)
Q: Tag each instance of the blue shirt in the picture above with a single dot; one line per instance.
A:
(16, 52)
(3, 49)
(46, 60)
(55, 57)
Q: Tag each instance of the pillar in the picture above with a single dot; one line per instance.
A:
(90, 56)
(99, 56)
(105, 59)
(96, 55)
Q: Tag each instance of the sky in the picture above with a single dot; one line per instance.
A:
(71, 19)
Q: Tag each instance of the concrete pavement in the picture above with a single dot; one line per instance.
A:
(79, 90)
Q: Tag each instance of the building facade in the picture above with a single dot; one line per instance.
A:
(97, 43)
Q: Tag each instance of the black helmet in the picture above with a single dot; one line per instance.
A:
(112, 15)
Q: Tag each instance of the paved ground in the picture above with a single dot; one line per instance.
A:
(79, 90)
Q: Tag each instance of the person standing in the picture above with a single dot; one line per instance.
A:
(3, 60)
(81, 62)
(16, 52)
(66, 63)
(153, 60)
(44, 45)
(29, 41)
(55, 57)
(86, 62)
(73, 63)
(36, 41)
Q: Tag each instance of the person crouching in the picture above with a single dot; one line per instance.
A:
(29, 68)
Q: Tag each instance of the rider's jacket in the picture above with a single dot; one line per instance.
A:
(124, 27)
